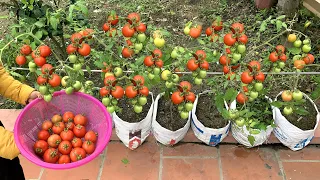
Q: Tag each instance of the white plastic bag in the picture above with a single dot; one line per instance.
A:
(290, 135)
(241, 134)
(210, 136)
(134, 134)
(163, 135)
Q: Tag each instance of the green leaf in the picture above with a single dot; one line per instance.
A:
(230, 95)
(262, 126)
(316, 93)
(201, 41)
(284, 25)
(139, 61)
(83, 8)
(125, 161)
(277, 104)
(33, 45)
(38, 34)
(88, 69)
(281, 17)
(263, 26)
(181, 49)
(251, 139)
(279, 25)
(70, 16)
(301, 111)
(39, 24)
(54, 22)
(294, 50)
(4, 17)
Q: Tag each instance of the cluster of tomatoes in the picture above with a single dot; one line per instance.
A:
(154, 63)
(170, 78)
(64, 139)
(111, 92)
(217, 25)
(184, 98)
(199, 66)
(48, 79)
(112, 20)
(247, 77)
(21, 59)
(275, 56)
(288, 96)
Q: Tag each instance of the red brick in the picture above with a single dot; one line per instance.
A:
(190, 169)
(308, 153)
(123, 163)
(301, 170)
(31, 171)
(190, 149)
(239, 163)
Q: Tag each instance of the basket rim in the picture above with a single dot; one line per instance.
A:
(97, 152)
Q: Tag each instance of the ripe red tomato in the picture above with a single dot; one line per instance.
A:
(195, 32)
(70, 125)
(43, 135)
(127, 52)
(91, 136)
(283, 57)
(80, 119)
(243, 38)
(89, 147)
(113, 19)
(45, 51)
(76, 142)
(209, 31)
(54, 140)
(51, 155)
(228, 50)
(224, 60)
(87, 32)
(273, 57)
(139, 79)
(58, 127)
(68, 117)
(299, 64)
(117, 92)
(242, 98)
(259, 76)
(79, 131)
(133, 17)
(286, 96)
(177, 98)
(217, 25)
(157, 53)
(65, 147)
(71, 49)
(185, 85)
(127, 30)
(21, 60)
(201, 54)
(144, 91)
(66, 135)
(229, 40)
(64, 159)
(106, 27)
(47, 68)
(104, 91)
(77, 154)
(245, 88)
(280, 49)
(204, 65)
(131, 92)
(40, 147)
(246, 77)
(34, 54)
(84, 50)
(40, 61)
(226, 69)
(25, 50)
(109, 80)
(148, 61)
(237, 27)
(129, 43)
(159, 63)
(55, 80)
(235, 66)
(192, 65)
(190, 97)
(76, 38)
(141, 28)
(46, 125)
(41, 80)
(254, 65)
(309, 59)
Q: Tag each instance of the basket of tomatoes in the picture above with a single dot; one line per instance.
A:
(67, 132)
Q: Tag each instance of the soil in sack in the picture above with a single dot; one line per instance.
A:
(306, 122)
(208, 114)
(128, 113)
(168, 115)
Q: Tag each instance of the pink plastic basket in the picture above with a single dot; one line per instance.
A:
(30, 120)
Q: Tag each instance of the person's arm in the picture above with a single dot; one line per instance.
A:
(13, 89)
(8, 148)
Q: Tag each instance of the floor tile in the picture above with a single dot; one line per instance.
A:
(31, 171)
(308, 153)
(301, 170)
(190, 149)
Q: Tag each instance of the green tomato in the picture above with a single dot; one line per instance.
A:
(215, 53)
(233, 114)
(276, 70)
(138, 46)
(137, 108)
(136, 51)
(236, 56)
(47, 97)
(188, 106)
(156, 70)
(151, 76)
(254, 94)
(111, 109)
(297, 43)
(81, 59)
(186, 30)
(169, 84)
(51, 90)
(142, 37)
(251, 99)
(142, 100)
(114, 101)
(194, 74)
(32, 65)
(32, 69)
(165, 74)
(296, 57)
(106, 101)
(202, 74)
(77, 67)
(118, 71)
(306, 48)
(174, 54)
(64, 81)
(306, 41)
(241, 48)
(77, 85)
(159, 42)
(73, 58)
(69, 90)
(287, 110)
(240, 122)
(197, 81)
(297, 95)
(258, 86)
(175, 78)
(134, 101)
(43, 90)
(281, 64)
(180, 107)
(184, 115)
(88, 83)
(252, 124)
